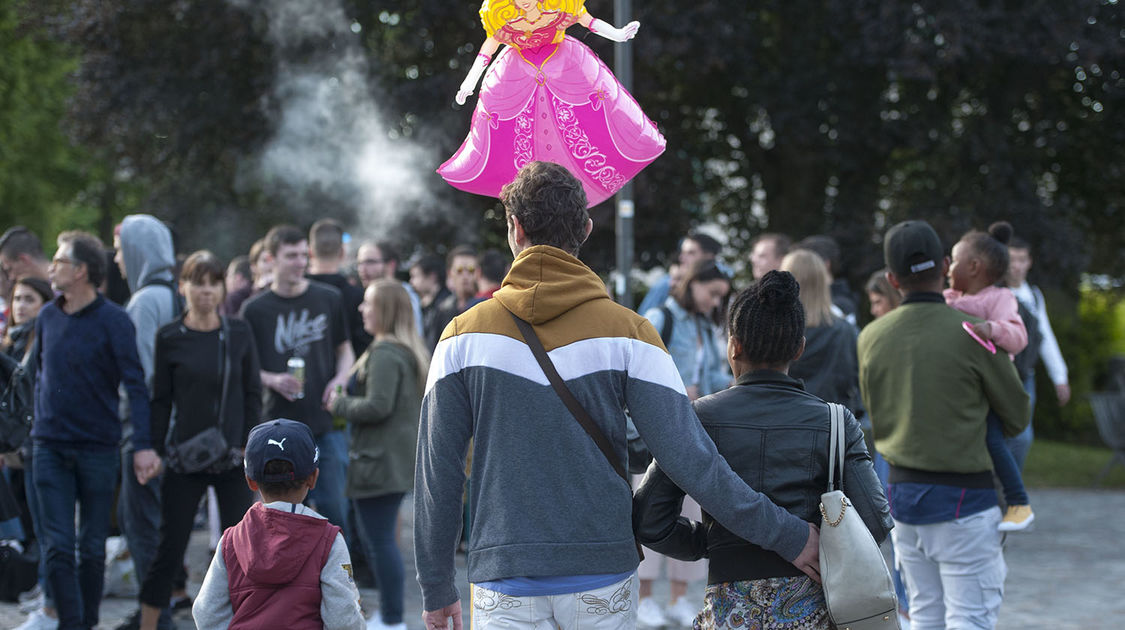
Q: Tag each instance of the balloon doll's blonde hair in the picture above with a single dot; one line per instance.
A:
(497, 13)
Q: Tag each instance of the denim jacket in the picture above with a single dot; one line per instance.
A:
(695, 348)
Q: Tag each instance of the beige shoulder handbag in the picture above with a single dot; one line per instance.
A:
(857, 584)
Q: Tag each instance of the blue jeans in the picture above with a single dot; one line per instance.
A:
(1004, 463)
(377, 517)
(330, 494)
(1021, 443)
(37, 526)
(11, 529)
(138, 515)
(65, 477)
(883, 471)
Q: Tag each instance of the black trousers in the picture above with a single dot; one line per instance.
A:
(181, 494)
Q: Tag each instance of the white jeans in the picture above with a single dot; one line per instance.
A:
(954, 571)
(612, 607)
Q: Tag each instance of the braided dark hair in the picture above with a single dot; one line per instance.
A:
(768, 320)
(992, 248)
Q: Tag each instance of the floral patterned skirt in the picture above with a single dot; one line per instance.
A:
(787, 603)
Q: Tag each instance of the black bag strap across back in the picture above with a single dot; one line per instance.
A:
(575, 407)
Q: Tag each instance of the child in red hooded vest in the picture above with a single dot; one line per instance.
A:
(283, 565)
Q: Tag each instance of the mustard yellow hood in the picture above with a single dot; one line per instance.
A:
(546, 282)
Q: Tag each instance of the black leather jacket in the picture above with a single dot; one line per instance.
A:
(775, 436)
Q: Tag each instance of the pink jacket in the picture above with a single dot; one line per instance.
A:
(997, 306)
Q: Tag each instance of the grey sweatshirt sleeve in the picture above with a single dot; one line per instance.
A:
(444, 431)
(145, 312)
(339, 599)
(665, 419)
(212, 609)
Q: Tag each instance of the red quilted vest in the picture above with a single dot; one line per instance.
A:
(274, 560)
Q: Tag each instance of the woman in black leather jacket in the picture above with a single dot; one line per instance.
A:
(775, 436)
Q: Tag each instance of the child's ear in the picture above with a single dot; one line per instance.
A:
(310, 483)
(253, 484)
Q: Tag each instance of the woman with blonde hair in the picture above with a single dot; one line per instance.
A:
(382, 404)
(828, 366)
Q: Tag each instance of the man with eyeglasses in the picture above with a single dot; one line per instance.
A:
(87, 348)
(376, 260)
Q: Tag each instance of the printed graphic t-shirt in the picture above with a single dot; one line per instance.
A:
(310, 326)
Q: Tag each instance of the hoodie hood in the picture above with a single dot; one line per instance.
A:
(570, 283)
(146, 244)
(273, 546)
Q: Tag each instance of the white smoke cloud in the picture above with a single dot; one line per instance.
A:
(331, 136)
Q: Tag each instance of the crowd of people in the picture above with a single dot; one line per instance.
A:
(330, 381)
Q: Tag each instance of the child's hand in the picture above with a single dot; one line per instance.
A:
(983, 330)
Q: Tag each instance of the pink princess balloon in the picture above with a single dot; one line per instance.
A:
(549, 98)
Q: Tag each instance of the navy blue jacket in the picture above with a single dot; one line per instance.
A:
(82, 359)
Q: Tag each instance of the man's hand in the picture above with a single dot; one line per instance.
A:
(808, 561)
(1063, 392)
(437, 619)
(146, 465)
(330, 389)
(283, 383)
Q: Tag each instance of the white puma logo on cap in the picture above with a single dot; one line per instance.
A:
(280, 444)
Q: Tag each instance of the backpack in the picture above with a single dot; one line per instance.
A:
(177, 299)
(17, 403)
(1025, 361)
(666, 328)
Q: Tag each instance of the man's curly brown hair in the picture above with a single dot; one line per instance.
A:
(550, 204)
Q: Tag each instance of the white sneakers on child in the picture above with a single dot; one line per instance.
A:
(650, 615)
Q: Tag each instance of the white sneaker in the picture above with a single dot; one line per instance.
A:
(682, 613)
(376, 623)
(35, 603)
(650, 615)
(38, 620)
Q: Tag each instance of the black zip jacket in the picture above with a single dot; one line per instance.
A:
(188, 378)
(774, 435)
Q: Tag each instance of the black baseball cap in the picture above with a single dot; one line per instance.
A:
(283, 439)
(912, 247)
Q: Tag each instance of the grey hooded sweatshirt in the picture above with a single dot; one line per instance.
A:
(146, 245)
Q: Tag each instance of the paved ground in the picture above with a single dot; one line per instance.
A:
(1065, 574)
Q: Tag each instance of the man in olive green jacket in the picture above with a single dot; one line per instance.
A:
(928, 387)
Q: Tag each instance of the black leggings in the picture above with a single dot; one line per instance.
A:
(181, 494)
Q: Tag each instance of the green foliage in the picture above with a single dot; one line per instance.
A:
(1053, 464)
(837, 116)
(45, 180)
(1089, 333)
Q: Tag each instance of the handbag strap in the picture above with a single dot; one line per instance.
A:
(835, 445)
(224, 365)
(567, 396)
(224, 369)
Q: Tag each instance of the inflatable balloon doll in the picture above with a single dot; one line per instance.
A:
(548, 97)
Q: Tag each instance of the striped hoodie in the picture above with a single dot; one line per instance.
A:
(544, 500)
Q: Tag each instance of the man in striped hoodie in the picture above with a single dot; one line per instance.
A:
(552, 538)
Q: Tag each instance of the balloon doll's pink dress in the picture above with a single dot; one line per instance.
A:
(552, 102)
